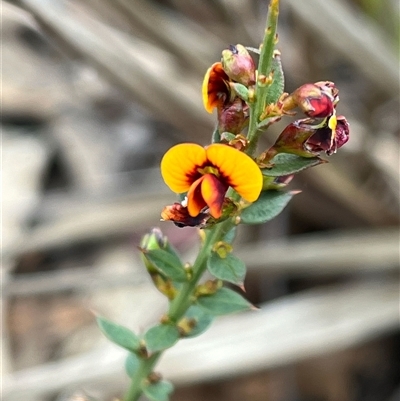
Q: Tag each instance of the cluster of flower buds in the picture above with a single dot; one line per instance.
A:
(227, 87)
(322, 131)
(204, 175)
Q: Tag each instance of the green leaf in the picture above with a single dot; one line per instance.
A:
(227, 136)
(230, 269)
(132, 363)
(215, 138)
(266, 207)
(159, 391)
(275, 90)
(119, 335)
(167, 263)
(229, 237)
(161, 337)
(223, 302)
(171, 250)
(203, 320)
(241, 90)
(286, 164)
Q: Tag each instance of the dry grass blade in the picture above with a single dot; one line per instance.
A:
(357, 39)
(130, 63)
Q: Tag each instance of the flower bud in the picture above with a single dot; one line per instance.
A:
(186, 326)
(303, 138)
(232, 118)
(150, 242)
(154, 240)
(208, 288)
(293, 138)
(315, 100)
(329, 87)
(239, 65)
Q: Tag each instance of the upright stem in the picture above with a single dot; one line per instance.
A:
(183, 301)
(264, 68)
(179, 305)
(145, 368)
(252, 132)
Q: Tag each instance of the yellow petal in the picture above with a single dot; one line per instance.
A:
(179, 165)
(204, 92)
(238, 169)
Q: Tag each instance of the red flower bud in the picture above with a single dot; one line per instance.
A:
(232, 117)
(329, 88)
(293, 138)
(315, 100)
(239, 65)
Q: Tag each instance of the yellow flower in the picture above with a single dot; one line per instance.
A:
(207, 173)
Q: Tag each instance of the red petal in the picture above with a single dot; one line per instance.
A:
(195, 202)
(213, 192)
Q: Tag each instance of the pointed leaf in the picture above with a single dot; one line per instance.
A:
(167, 263)
(161, 337)
(119, 335)
(275, 90)
(230, 269)
(203, 320)
(159, 391)
(266, 207)
(286, 164)
(132, 363)
(171, 249)
(223, 302)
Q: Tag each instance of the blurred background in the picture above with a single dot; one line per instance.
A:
(93, 93)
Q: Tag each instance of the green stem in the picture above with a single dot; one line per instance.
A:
(145, 368)
(182, 302)
(179, 305)
(252, 132)
(264, 68)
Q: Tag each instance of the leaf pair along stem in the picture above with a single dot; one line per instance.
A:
(179, 305)
(184, 299)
